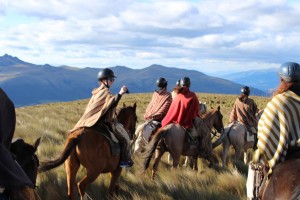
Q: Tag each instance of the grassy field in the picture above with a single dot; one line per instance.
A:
(51, 121)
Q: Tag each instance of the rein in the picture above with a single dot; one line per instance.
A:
(214, 133)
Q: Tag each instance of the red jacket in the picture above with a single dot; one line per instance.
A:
(184, 108)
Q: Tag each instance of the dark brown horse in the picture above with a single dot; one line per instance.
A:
(18, 183)
(173, 138)
(24, 154)
(91, 149)
(285, 182)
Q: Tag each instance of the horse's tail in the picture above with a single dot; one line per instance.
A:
(221, 138)
(152, 146)
(70, 144)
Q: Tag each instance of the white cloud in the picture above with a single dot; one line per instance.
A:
(191, 34)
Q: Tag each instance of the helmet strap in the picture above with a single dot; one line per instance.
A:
(105, 83)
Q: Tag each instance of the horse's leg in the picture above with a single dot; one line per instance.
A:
(71, 166)
(114, 180)
(170, 158)
(91, 175)
(194, 163)
(158, 154)
(225, 145)
(238, 152)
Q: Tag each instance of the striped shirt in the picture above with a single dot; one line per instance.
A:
(278, 129)
(159, 105)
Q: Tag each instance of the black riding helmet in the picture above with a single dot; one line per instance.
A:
(161, 82)
(290, 72)
(106, 73)
(185, 81)
(245, 90)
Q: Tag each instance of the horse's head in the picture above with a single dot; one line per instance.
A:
(214, 119)
(26, 157)
(202, 108)
(127, 116)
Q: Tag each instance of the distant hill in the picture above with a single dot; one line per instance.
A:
(30, 84)
(265, 79)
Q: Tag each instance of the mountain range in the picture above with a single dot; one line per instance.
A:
(30, 84)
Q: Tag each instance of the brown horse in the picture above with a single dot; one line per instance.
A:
(284, 182)
(173, 138)
(93, 151)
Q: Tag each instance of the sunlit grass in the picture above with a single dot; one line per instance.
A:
(52, 121)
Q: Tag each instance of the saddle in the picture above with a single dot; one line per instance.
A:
(107, 132)
(149, 129)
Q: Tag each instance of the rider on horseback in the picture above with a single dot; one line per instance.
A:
(155, 112)
(244, 111)
(99, 112)
(278, 127)
(184, 109)
(175, 89)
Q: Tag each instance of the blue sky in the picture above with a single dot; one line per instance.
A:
(210, 36)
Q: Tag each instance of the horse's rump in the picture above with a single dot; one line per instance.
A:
(284, 182)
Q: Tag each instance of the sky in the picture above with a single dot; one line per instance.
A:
(211, 36)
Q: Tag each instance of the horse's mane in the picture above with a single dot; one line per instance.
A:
(208, 113)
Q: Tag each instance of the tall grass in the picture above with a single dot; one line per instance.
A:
(51, 122)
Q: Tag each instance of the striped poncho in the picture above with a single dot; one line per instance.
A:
(244, 112)
(278, 129)
(159, 105)
(98, 105)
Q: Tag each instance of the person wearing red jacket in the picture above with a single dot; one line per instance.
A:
(184, 108)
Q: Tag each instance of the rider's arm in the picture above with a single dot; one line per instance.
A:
(233, 115)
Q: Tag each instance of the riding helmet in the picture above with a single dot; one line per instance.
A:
(290, 72)
(161, 82)
(106, 73)
(245, 90)
(185, 81)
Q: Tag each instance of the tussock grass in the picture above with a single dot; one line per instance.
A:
(52, 121)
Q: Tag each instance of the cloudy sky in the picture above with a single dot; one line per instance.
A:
(210, 36)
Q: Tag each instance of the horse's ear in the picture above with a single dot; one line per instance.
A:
(134, 105)
(37, 143)
(124, 105)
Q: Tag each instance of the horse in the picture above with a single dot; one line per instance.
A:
(14, 156)
(91, 149)
(25, 154)
(173, 138)
(26, 157)
(144, 132)
(235, 134)
(284, 182)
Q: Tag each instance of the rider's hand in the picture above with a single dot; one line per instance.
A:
(123, 90)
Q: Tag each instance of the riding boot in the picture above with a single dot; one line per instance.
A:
(192, 136)
(123, 137)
